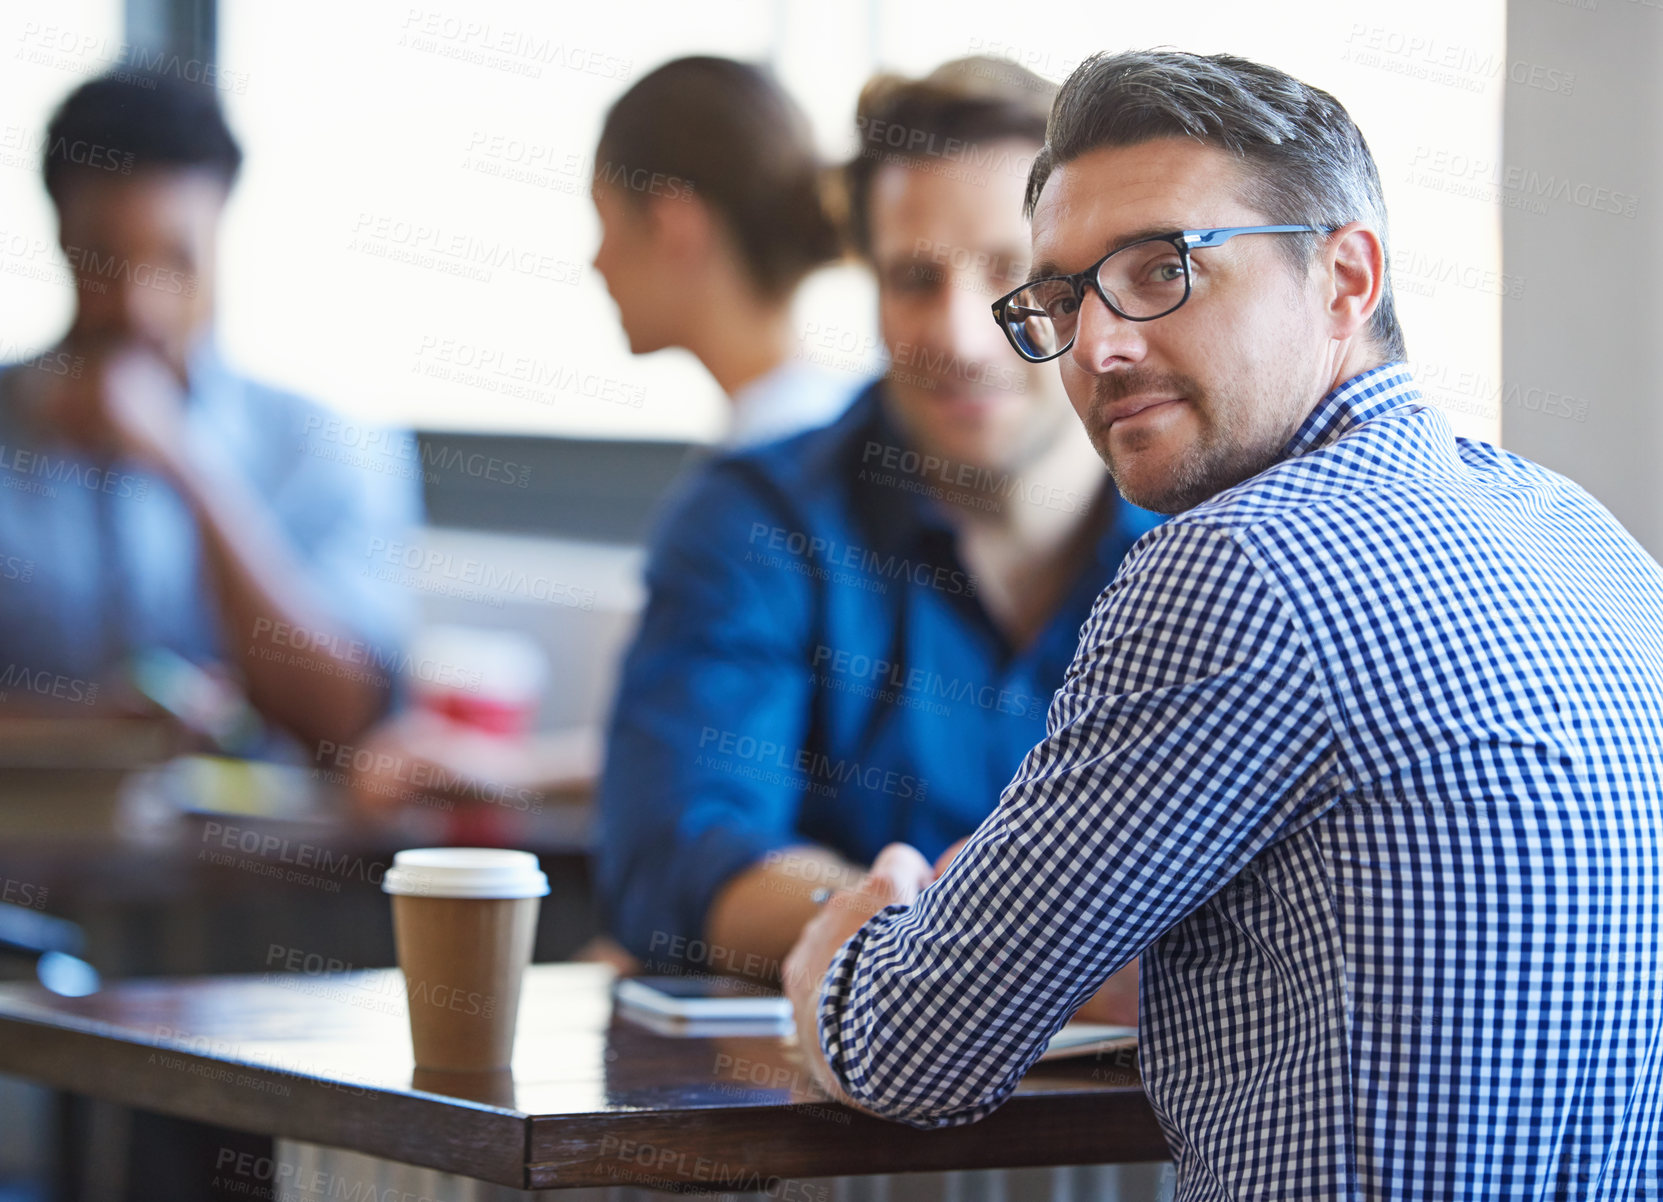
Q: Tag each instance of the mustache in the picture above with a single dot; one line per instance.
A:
(1116, 386)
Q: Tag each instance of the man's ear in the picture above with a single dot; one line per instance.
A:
(1354, 264)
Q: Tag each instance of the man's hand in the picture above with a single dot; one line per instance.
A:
(898, 876)
(144, 404)
(125, 403)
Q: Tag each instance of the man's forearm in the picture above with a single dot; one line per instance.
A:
(759, 913)
(313, 686)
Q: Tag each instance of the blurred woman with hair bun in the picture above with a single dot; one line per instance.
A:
(708, 190)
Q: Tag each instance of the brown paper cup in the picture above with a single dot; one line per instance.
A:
(463, 952)
(494, 1087)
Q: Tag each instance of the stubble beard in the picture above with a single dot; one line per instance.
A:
(1227, 450)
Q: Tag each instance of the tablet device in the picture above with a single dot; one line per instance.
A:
(705, 1005)
(1088, 1039)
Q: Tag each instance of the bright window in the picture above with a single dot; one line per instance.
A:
(411, 240)
(47, 49)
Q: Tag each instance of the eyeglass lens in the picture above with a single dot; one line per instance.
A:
(1144, 280)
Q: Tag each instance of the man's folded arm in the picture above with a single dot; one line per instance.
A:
(1189, 736)
(701, 779)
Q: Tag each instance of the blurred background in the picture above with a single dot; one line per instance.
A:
(1518, 141)
(377, 132)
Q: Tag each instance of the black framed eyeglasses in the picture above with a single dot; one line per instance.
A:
(1141, 281)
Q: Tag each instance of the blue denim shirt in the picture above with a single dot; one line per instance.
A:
(814, 665)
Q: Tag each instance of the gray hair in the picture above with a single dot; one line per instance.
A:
(1306, 161)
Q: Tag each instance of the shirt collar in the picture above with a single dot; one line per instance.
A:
(1365, 395)
(790, 399)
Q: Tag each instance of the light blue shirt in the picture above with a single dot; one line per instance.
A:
(99, 561)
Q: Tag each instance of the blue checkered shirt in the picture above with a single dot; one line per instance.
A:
(1365, 757)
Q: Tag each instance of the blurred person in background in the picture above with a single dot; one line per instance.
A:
(708, 190)
(852, 636)
(166, 504)
(709, 194)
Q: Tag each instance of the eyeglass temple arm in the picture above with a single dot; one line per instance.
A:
(1203, 238)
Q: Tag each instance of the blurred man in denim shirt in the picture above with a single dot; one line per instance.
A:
(852, 636)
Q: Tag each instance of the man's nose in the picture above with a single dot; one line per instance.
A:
(1103, 338)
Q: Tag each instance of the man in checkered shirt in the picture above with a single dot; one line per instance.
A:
(1362, 751)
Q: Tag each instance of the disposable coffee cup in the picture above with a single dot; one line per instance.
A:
(464, 919)
(494, 1087)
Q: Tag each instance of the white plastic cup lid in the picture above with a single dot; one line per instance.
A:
(485, 872)
(503, 665)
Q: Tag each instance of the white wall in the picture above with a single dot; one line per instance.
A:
(1587, 323)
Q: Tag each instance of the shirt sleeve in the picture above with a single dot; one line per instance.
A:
(702, 776)
(341, 501)
(366, 510)
(1190, 734)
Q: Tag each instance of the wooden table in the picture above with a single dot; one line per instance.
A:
(593, 1100)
